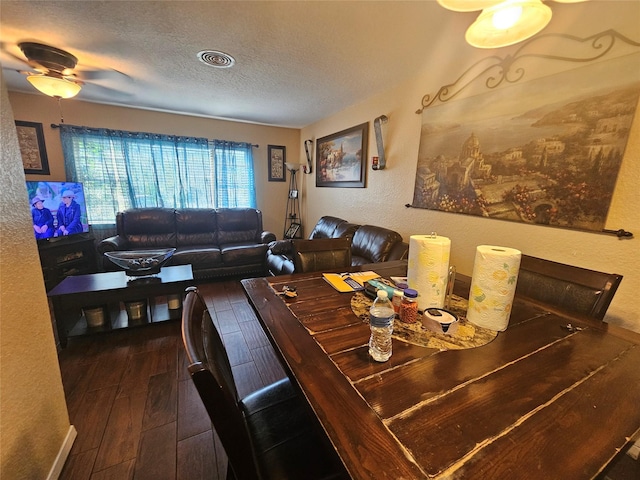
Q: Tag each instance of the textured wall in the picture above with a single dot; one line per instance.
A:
(271, 196)
(382, 202)
(34, 420)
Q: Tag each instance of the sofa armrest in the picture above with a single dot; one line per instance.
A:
(111, 244)
(267, 237)
(281, 247)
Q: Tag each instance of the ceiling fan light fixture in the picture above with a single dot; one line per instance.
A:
(500, 25)
(507, 17)
(467, 5)
(54, 86)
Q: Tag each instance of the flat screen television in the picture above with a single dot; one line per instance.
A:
(58, 210)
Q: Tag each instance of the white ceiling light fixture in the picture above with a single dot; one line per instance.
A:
(54, 86)
(508, 22)
(54, 69)
(503, 22)
(468, 5)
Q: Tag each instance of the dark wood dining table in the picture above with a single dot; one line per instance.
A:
(541, 400)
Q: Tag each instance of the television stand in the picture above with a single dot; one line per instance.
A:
(64, 256)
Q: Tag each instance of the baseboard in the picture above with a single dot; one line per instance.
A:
(63, 453)
(634, 450)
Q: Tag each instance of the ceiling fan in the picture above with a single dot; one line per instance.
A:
(55, 72)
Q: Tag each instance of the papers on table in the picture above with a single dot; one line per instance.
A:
(349, 282)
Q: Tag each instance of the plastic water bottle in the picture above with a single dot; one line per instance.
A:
(381, 317)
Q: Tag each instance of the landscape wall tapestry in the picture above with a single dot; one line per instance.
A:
(547, 151)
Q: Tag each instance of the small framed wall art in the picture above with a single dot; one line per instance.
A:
(32, 147)
(277, 158)
(341, 158)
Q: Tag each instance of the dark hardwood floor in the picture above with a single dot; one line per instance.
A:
(137, 413)
(134, 406)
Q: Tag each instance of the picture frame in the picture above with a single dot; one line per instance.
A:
(277, 163)
(292, 231)
(554, 168)
(341, 158)
(32, 147)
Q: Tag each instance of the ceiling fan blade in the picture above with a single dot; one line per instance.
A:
(106, 74)
(3, 48)
(102, 90)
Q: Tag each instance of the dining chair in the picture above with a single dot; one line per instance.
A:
(321, 254)
(567, 287)
(269, 434)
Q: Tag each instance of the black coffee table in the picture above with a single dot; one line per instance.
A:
(112, 290)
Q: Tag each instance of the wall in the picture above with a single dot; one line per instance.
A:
(34, 423)
(271, 196)
(382, 202)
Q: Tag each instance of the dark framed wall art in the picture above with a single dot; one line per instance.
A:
(341, 158)
(32, 147)
(277, 159)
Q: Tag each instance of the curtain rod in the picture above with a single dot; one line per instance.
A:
(56, 125)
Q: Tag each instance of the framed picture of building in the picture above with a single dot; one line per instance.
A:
(341, 158)
(545, 151)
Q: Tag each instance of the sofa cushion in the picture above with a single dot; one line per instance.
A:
(345, 229)
(243, 253)
(373, 244)
(148, 227)
(238, 225)
(196, 226)
(326, 227)
(202, 256)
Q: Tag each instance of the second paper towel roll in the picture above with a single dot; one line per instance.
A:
(493, 285)
(428, 269)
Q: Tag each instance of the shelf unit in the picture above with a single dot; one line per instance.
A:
(116, 317)
(292, 220)
(66, 256)
(74, 301)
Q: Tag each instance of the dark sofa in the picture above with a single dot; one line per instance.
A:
(369, 244)
(216, 242)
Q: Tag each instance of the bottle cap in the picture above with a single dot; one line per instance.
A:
(382, 294)
(410, 292)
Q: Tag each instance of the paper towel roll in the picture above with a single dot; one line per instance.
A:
(493, 285)
(428, 269)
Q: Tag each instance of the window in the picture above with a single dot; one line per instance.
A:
(122, 170)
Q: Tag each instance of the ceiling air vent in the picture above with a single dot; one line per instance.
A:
(216, 59)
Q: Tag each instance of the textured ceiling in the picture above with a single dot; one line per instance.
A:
(296, 61)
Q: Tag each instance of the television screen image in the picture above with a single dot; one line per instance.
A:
(58, 209)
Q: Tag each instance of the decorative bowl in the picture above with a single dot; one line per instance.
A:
(141, 262)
